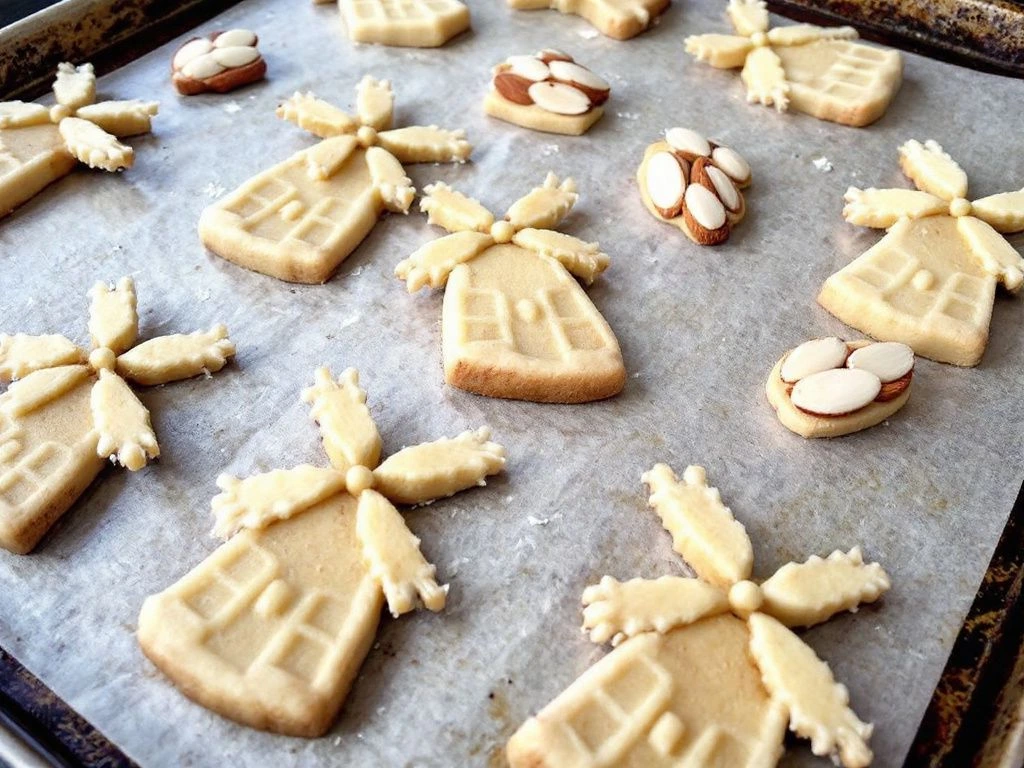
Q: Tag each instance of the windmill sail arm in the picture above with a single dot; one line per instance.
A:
(545, 206)
(176, 357)
(349, 434)
(122, 423)
(375, 103)
(1003, 212)
(818, 706)
(720, 51)
(582, 259)
(260, 500)
(113, 319)
(881, 208)
(748, 17)
(804, 594)
(316, 115)
(995, 255)
(703, 529)
(803, 34)
(422, 473)
(22, 354)
(433, 263)
(765, 79)
(617, 610)
(393, 555)
(394, 187)
(426, 144)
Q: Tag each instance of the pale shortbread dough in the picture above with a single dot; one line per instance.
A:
(410, 23)
(69, 410)
(39, 145)
(515, 323)
(271, 629)
(930, 282)
(298, 220)
(621, 19)
(705, 671)
(816, 70)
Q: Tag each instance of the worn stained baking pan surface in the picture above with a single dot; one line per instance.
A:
(927, 495)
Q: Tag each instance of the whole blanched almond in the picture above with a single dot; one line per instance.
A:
(706, 209)
(235, 37)
(888, 360)
(235, 55)
(665, 179)
(530, 67)
(812, 357)
(571, 72)
(203, 67)
(730, 161)
(193, 49)
(724, 188)
(513, 87)
(836, 392)
(893, 389)
(548, 55)
(593, 86)
(687, 142)
(559, 98)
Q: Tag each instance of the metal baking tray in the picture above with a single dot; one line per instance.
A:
(931, 494)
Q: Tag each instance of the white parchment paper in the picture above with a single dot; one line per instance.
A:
(926, 494)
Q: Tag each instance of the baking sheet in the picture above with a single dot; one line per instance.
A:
(927, 494)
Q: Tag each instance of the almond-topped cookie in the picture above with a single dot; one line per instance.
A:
(828, 387)
(219, 62)
(695, 184)
(548, 91)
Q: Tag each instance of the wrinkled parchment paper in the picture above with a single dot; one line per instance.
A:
(926, 494)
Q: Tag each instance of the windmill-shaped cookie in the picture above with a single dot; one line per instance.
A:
(70, 410)
(270, 629)
(39, 144)
(705, 671)
(930, 282)
(515, 323)
(299, 220)
(817, 70)
(413, 23)
(621, 19)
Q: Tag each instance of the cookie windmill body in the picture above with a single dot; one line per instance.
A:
(816, 70)
(515, 322)
(705, 671)
(68, 411)
(930, 282)
(39, 144)
(271, 629)
(298, 220)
